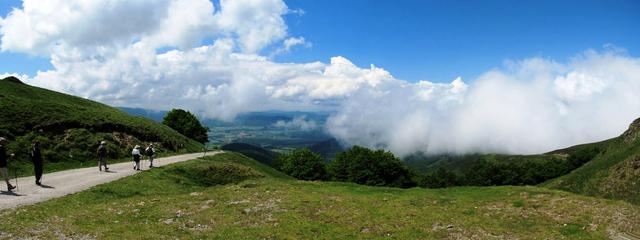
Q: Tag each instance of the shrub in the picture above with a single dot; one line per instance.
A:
(582, 156)
(375, 168)
(303, 164)
(439, 178)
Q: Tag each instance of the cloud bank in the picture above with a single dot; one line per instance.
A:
(530, 106)
(215, 62)
(298, 122)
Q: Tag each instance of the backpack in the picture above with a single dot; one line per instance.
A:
(102, 151)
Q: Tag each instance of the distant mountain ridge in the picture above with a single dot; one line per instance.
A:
(155, 115)
(264, 118)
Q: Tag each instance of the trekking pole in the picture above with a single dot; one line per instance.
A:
(15, 175)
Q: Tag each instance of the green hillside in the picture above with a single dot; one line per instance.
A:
(613, 173)
(229, 196)
(69, 128)
(259, 154)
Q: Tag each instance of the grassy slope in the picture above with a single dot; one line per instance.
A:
(257, 153)
(615, 173)
(69, 127)
(190, 200)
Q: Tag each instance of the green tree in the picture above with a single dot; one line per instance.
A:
(303, 164)
(365, 166)
(440, 178)
(187, 124)
(582, 156)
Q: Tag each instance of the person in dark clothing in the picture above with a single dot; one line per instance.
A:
(36, 158)
(3, 163)
(151, 153)
(102, 156)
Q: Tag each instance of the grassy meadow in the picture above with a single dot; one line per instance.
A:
(229, 196)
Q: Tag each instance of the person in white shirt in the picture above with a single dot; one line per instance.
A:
(136, 157)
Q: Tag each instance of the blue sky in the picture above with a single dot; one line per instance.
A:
(436, 40)
(19, 62)
(440, 40)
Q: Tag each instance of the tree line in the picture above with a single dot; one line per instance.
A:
(382, 168)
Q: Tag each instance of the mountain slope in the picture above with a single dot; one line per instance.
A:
(613, 173)
(69, 128)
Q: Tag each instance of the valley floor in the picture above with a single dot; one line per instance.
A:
(228, 196)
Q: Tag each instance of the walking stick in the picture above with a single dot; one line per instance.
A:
(15, 175)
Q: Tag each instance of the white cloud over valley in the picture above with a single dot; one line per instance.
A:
(214, 61)
(298, 122)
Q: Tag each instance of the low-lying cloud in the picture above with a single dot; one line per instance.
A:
(215, 62)
(530, 106)
(298, 123)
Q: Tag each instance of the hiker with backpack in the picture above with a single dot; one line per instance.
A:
(3, 163)
(36, 158)
(136, 157)
(151, 153)
(102, 156)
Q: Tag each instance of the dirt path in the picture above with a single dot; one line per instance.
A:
(61, 183)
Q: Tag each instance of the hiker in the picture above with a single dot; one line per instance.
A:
(3, 163)
(151, 153)
(136, 157)
(102, 156)
(36, 158)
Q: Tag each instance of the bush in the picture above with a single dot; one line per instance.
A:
(187, 124)
(375, 168)
(513, 170)
(440, 178)
(303, 164)
(582, 156)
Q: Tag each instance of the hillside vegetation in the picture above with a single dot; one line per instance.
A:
(609, 169)
(259, 154)
(229, 196)
(70, 128)
(614, 171)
